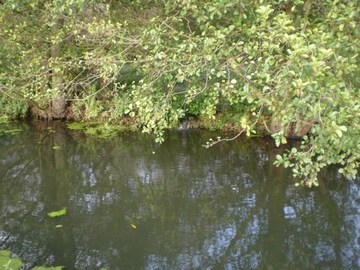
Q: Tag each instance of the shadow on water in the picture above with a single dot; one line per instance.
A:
(134, 204)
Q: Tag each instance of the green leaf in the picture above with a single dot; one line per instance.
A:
(58, 213)
(343, 128)
(208, 57)
(9, 262)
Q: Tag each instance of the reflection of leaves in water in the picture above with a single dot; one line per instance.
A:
(78, 125)
(50, 129)
(99, 130)
(13, 131)
(182, 196)
(48, 268)
(12, 128)
(57, 213)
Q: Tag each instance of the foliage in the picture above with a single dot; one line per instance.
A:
(12, 108)
(7, 262)
(14, 263)
(58, 213)
(99, 130)
(160, 60)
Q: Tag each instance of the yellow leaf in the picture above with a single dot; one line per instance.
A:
(132, 225)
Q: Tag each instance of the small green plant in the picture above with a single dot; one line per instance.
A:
(9, 263)
(58, 213)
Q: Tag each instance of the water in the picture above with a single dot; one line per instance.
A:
(134, 204)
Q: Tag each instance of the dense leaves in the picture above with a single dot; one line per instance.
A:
(293, 65)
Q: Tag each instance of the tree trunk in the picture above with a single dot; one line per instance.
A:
(293, 130)
(58, 103)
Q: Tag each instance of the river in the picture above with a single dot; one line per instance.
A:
(135, 204)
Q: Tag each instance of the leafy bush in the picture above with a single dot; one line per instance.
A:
(12, 108)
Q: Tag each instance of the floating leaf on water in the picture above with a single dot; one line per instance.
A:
(134, 226)
(57, 213)
(8, 262)
(49, 268)
(59, 226)
(5, 253)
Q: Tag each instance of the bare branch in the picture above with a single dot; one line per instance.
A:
(212, 143)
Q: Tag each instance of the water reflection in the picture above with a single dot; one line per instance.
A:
(133, 204)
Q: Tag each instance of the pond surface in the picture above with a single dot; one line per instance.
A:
(134, 204)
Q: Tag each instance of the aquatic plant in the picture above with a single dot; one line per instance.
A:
(58, 213)
(15, 263)
(9, 263)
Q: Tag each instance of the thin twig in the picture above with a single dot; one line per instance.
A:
(210, 144)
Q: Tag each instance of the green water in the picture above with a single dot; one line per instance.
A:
(133, 204)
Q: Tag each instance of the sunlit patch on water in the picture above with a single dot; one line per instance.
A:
(289, 212)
